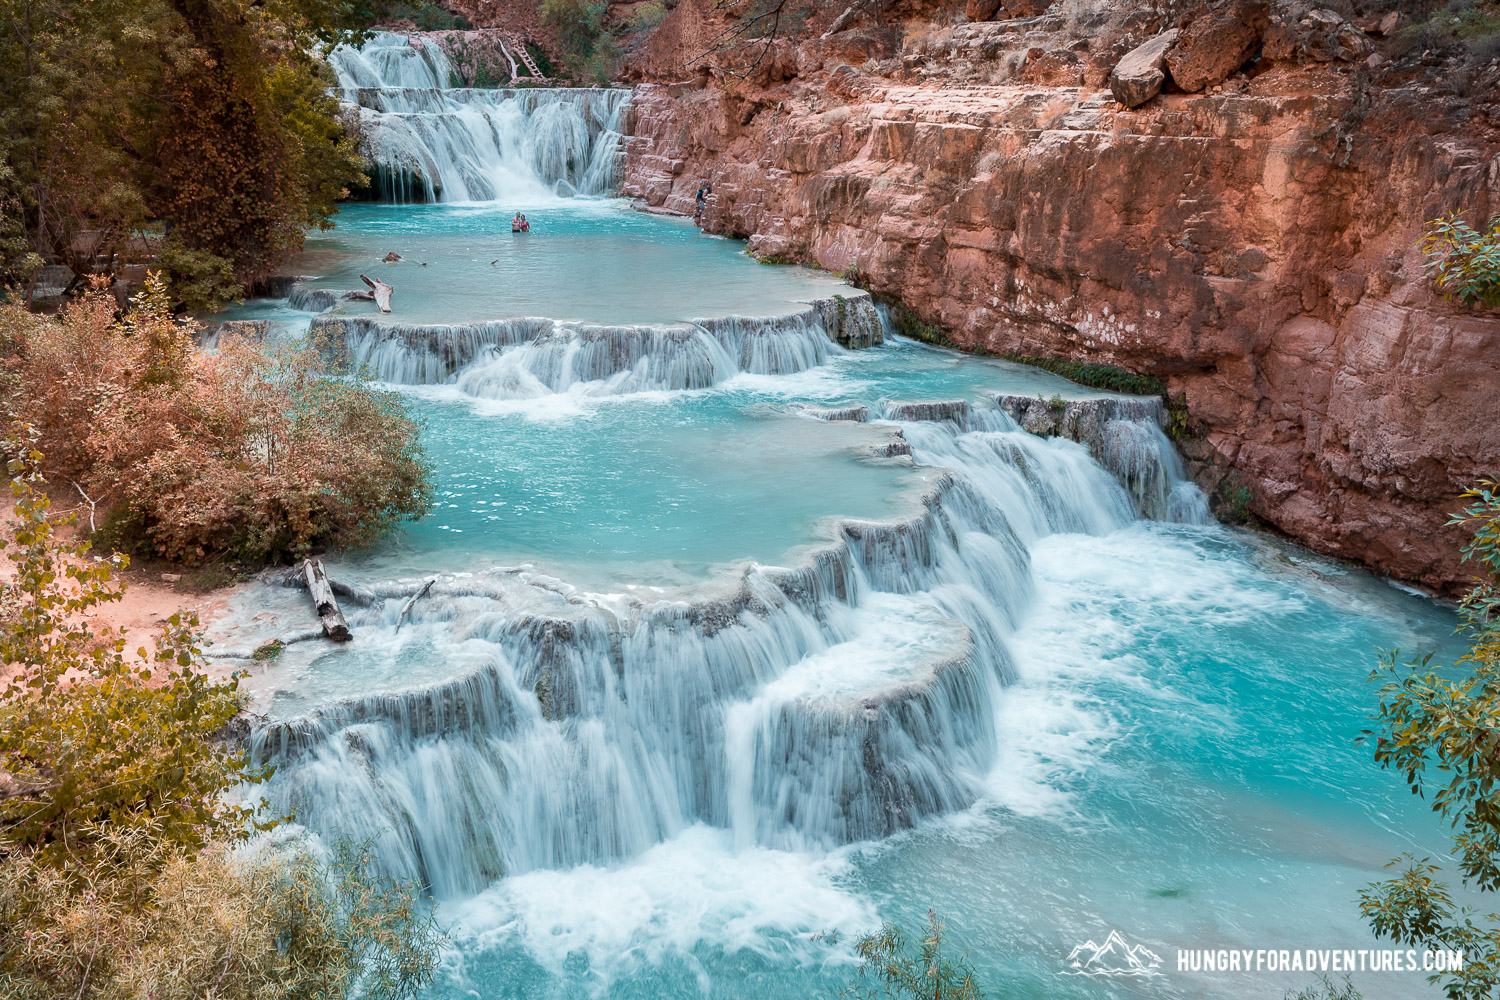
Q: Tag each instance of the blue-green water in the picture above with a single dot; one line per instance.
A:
(1162, 742)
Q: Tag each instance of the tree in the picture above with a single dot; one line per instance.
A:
(201, 126)
(890, 969)
(1441, 731)
(252, 453)
(117, 876)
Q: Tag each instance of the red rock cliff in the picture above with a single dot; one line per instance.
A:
(1253, 245)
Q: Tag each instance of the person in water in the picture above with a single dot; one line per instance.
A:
(518, 223)
(525, 225)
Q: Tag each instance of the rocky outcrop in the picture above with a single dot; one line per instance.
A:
(1139, 75)
(1254, 248)
(1217, 41)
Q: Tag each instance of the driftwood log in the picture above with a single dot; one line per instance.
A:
(380, 292)
(323, 600)
(406, 608)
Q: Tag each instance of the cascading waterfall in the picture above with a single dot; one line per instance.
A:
(428, 140)
(531, 357)
(837, 700)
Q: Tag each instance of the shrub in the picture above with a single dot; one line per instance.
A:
(589, 53)
(648, 16)
(93, 738)
(1439, 734)
(116, 873)
(890, 969)
(1464, 262)
(255, 452)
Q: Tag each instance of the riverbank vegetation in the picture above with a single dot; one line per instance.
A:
(201, 131)
(123, 870)
(254, 453)
(1439, 728)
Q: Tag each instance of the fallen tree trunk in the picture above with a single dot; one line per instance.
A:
(380, 291)
(359, 595)
(324, 604)
(414, 599)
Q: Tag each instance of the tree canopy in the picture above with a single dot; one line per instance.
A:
(204, 126)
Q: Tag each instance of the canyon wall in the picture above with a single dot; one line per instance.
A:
(1253, 245)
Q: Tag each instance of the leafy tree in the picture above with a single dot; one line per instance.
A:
(116, 873)
(254, 452)
(1463, 261)
(1443, 736)
(589, 52)
(891, 970)
(94, 736)
(205, 121)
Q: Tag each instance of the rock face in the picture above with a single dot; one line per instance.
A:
(1253, 248)
(1217, 41)
(1139, 75)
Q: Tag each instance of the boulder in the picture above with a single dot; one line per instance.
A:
(1139, 74)
(1026, 8)
(1053, 68)
(1298, 34)
(981, 10)
(1216, 42)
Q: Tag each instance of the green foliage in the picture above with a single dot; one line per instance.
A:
(117, 879)
(209, 119)
(1463, 261)
(1442, 736)
(890, 969)
(96, 739)
(424, 15)
(252, 453)
(648, 16)
(541, 58)
(1327, 989)
(1057, 404)
(590, 54)
(198, 279)
(1095, 376)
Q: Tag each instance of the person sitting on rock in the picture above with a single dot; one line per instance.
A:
(703, 192)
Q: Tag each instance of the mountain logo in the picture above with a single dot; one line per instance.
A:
(1115, 957)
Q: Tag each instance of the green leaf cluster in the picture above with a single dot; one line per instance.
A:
(891, 969)
(1462, 261)
(1441, 731)
(204, 124)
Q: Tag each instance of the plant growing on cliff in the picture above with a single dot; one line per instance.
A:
(1462, 261)
(894, 970)
(1441, 732)
(253, 452)
(589, 52)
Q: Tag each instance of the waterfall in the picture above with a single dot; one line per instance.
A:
(428, 140)
(842, 698)
(531, 357)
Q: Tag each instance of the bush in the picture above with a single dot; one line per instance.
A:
(1439, 734)
(892, 971)
(648, 16)
(1462, 261)
(116, 873)
(589, 53)
(255, 452)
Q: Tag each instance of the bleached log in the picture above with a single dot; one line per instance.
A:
(406, 609)
(324, 604)
(380, 291)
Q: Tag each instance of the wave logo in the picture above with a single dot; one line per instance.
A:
(1115, 957)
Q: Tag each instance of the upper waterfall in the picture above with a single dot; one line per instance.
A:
(428, 140)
